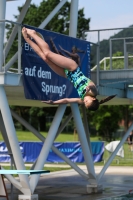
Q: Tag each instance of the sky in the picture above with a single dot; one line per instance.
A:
(103, 14)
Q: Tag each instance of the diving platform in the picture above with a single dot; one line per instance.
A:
(110, 82)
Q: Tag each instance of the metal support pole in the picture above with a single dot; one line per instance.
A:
(4, 133)
(52, 14)
(125, 55)
(105, 63)
(86, 126)
(110, 42)
(47, 144)
(15, 29)
(54, 149)
(16, 183)
(98, 58)
(5, 111)
(73, 18)
(127, 60)
(11, 167)
(11, 62)
(84, 144)
(19, 49)
(12, 180)
(2, 30)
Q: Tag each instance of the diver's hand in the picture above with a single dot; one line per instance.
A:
(48, 102)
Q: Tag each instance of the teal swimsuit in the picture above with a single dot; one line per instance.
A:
(79, 81)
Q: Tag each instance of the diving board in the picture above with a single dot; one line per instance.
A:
(29, 172)
(3, 191)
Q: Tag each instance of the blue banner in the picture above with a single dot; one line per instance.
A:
(31, 150)
(40, 82)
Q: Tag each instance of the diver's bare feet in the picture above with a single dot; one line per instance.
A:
(24, 32)
(30, 32)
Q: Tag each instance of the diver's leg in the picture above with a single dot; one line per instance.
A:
(59, 60)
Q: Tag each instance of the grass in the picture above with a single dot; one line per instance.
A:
(63, 137)
(67, 137)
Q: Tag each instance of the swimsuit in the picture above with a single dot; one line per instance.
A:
(79, 81)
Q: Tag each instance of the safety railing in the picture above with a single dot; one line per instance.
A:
(104, 63)
(96, 37)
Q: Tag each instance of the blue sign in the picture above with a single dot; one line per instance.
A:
(31, 150)
(40, 82)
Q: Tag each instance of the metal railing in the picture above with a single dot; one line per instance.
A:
(105, 64)
(97, 52)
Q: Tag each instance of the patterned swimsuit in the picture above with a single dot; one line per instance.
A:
(79, 81)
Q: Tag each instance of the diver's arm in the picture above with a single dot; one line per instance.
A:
(64, 101)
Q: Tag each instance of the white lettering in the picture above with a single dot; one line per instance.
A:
(30, 71)
(43, 74)
(27, 47)
(53, 89)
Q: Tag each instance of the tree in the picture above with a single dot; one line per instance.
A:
(126, 111)
(106, 121)
(22, 112)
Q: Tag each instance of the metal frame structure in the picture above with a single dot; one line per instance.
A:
(6, 122)
(7, 127)
(125, 50)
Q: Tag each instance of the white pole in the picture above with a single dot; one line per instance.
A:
(54, 149)
(11, 62)
(86, 127)
(11, 133)
(73, 18)
(47, 144)
(84, 143)
(15, 29)
(74, 106)
(2, 30)
(19, 49)
(52, 14)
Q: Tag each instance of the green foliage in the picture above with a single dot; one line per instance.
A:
(22, 112)
(127, 113)
(83, 24)
(105, 120)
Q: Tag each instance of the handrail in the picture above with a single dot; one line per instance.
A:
(12, 22)
(108, 58)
